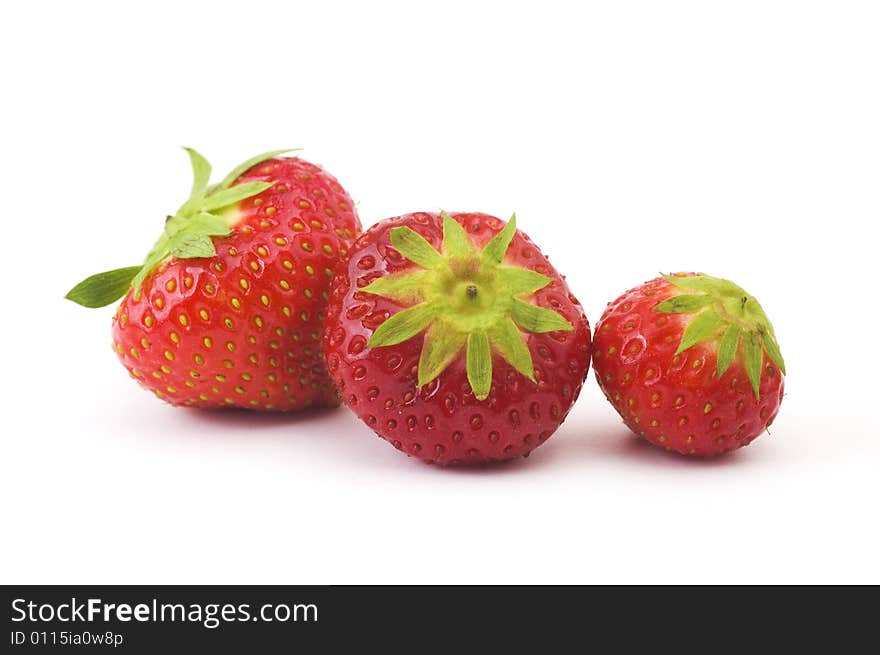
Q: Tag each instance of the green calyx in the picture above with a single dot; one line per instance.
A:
(208, 212)
(724, 313)
(463, 298)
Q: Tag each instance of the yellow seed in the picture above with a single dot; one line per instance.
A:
(247, 377)
(232, 252)
(202, 397)
(239, 390)
(252, 340)
(279, 331)
(655, 423)
(230, 346)
(281, 241)
(286, 311)
(264, 393)
(145, 343)
(169, 355)
(198, 359)
(284, 284)
(171, 285)
(235, 302)
(194, 374)
(165, 369)
(274, 345)
(258, 321)
(298, 227)
(188, 281)
(252, 358)
(305, 245)
(208, 342)
(273, 361)
(220, 377)
(171, 389)
(228, 322)
(262, 252)
(264, 299)
(184, 321)
(157, 375)
(707, 408)
(148, 320)
(210, 288)
(272, 377)
(309, 269)
(134, 352)
(159, 302)
(174, 337)
(203, 313)
(254, 266)
(228, 363)
(243, 284)
(189, 383)
(287, 264)
(270, 211)
(326, 248)
(307, 293)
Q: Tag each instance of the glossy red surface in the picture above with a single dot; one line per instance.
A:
(676, 401)
(243, 328)
(443, 422)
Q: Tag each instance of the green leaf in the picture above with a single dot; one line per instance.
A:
(226, 197)
(532, 318)
(236, 172)
(406, 288)
(727, 349)
(706, 283)
(208, 224)
(519, 281)
(415, 248)
(772, 348)
(456, 242)
(702, 328)
(479, 363)
(754, 357)
(103, 288)
(683, 304)
(187, 246)
(495, 250)
(403, 325)
(510, 343)
(442, 344)
(201, 173)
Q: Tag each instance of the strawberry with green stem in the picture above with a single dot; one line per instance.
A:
(691, 363)
(228, 305)
(454, 338)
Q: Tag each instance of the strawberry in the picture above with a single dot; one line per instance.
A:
(453, 338)
(228, 307)
(691, 363)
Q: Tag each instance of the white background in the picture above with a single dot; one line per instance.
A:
(741, 139)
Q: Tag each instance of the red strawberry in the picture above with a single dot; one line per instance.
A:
(691, 363)
(454, 338)
(228, 307)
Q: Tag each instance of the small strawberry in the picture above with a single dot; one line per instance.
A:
(228, 307)
(691, 363)
(454, 338)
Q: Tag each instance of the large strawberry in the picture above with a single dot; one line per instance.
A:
(228, 307)
(454, 338)
(691, 363)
